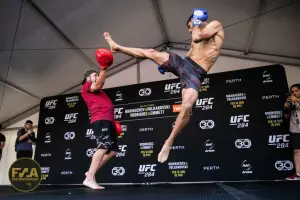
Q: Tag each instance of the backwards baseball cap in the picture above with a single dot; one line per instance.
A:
(29, 122)
(87, 73)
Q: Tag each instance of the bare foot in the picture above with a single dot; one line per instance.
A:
(92, 184)
(164, 153)
(113, 45)
(87, 174)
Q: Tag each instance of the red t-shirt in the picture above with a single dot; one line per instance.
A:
(98, 103)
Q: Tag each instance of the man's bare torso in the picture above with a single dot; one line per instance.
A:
(205, 53)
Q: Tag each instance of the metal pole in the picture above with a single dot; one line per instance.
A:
(43, 14)
(254, 27)
(20, 90)
(138, 71)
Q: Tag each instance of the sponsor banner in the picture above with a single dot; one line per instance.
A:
(205, 85)
(236, 100)
(274, 118)
(163, 108)
(235, 132)
(178, 169)
(72, 101)
(146, 148)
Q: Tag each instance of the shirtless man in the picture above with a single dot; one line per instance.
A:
(207, 40)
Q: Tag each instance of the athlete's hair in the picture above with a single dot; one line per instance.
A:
(189, 19)
(297, 85)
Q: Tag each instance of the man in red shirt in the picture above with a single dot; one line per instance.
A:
(102, 119)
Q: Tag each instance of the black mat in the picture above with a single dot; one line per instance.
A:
(287, 190)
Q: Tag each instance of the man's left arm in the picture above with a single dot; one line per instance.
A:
(212, 29)
(33, 138)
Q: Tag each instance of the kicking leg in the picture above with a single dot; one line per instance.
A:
(156, 56)
(90, 176)
(189, 97)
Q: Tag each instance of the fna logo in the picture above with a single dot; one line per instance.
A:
(25, 174)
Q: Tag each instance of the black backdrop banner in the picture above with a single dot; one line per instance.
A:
(236, 132)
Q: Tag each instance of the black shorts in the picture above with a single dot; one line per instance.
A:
(190, 73)
(106, 136)
(295, 141)
(24, 154)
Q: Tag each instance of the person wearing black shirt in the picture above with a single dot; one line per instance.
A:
(25, 139)
(2, 143)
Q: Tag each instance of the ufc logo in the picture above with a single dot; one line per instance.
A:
(122, 152)
(205, 101)
(89, 132)
(71, 116)
(239, 119)
(278, 138)
(118, 111)
(50, 104)
(172, 86)
(105, 129)
(122, 148)
(145, 168)
(49, 120)
(144, 92)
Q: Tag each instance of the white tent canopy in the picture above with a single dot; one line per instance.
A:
(46, 46)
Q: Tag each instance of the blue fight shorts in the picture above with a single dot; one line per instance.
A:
(190, 73)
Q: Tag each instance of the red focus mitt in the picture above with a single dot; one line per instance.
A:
(118, 127)
(104, 57)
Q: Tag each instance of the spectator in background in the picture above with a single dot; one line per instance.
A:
(25, 139)
(292, 111)
(2, 143)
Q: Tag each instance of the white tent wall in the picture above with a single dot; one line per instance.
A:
(128, 76)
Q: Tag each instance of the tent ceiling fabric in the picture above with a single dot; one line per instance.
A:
(56, 40)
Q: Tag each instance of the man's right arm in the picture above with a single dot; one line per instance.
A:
(287, 108)
(99, 82)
